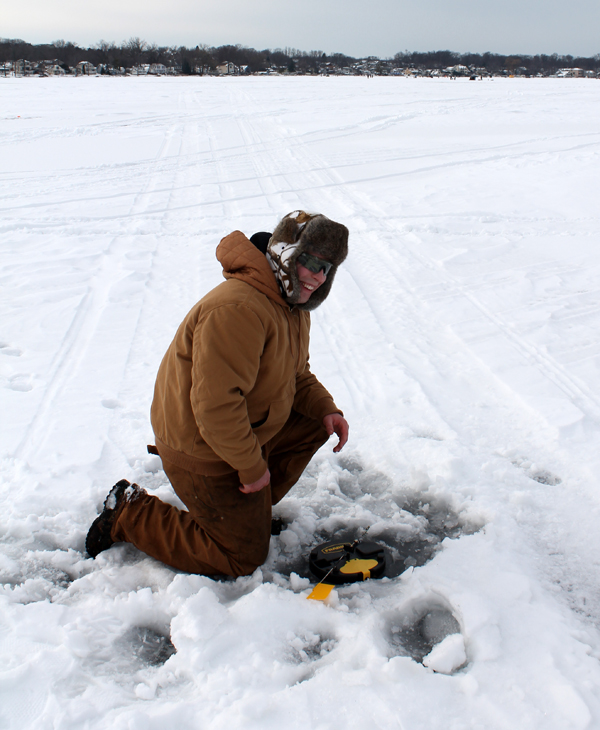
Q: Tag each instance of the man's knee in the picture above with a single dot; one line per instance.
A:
(246, 562)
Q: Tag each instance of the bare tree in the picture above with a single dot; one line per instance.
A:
(135, 48)
(67, 52)
(105, 51)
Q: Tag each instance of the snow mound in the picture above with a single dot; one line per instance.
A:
(448, 655)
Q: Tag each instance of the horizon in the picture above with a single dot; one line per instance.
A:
(286, 49)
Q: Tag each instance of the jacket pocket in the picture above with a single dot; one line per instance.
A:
(260, 422)
(279, 412)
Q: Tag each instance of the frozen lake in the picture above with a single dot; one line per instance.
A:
(460, 339)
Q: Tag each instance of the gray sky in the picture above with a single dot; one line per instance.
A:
(354, 27)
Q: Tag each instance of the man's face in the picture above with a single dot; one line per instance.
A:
(309, 281)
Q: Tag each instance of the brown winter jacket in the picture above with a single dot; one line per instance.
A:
(237, 367)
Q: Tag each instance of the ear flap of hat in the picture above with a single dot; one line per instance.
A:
(320, 295)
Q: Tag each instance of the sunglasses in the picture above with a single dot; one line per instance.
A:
(314, 263)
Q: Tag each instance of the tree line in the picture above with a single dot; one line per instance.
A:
(496, 63)
(136, 51)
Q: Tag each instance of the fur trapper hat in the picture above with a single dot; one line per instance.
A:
(312, 232)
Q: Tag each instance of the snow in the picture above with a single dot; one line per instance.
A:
(460, 339)
(447, 655)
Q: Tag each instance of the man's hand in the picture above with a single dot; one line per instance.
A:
(335, 423)
(258, 485)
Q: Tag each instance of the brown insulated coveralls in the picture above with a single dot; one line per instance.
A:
(234, 393)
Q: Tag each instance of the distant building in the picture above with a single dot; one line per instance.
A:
(458, 70)
(571, 73)
(50, 68)
(158, 69)
(227, 69)
(54, 70)
(85, 68)
(23, 67)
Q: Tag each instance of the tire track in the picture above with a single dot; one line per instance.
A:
(416, 354)
(575, 390)
(339, 335)
(81, 331)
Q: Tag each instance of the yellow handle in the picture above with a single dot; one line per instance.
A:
(359, 566)
(320, 592)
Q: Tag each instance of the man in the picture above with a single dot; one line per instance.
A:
(237, 413)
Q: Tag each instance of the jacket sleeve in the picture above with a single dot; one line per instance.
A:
(228, 344)
(313, 399)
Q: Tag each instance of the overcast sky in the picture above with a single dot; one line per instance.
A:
(355, 27)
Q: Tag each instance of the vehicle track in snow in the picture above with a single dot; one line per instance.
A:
(278, 176)
(307, 178)
(193, 219)
(81, 332)
(406, 247)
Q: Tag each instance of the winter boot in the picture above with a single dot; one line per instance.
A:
(98, 538)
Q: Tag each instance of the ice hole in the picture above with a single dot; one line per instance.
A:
(415, 631)
(411, 536)
(405, 547)
(148, 646)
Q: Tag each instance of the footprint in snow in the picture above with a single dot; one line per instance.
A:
(542, 476)
(21, 383)
(6, 349)
(545, 477)
(427, 435)
(111, 403)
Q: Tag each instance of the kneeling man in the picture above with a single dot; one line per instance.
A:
(237, 413)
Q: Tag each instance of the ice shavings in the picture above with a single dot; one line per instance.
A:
(447, 656)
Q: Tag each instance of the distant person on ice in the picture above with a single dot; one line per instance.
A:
(237, 414)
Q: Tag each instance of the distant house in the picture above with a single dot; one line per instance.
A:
(23, 68)
(85, 68)
(55, 70)
(458, 70)
(227, 69)
(50, 68)
(571, 73)
(158, 69)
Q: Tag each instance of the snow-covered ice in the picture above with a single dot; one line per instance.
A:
(460, 339)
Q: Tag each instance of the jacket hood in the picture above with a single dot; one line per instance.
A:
(240, 259)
